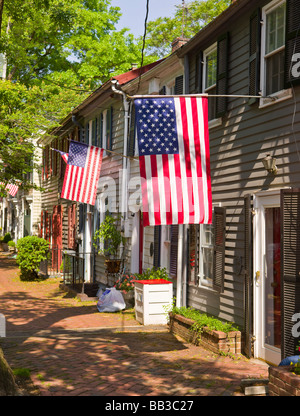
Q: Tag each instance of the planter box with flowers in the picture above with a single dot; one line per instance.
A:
(210, 333)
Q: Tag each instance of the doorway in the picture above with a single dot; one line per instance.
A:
(267, 278)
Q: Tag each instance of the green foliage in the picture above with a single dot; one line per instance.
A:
(11, 243)
(32, 251)
(202, 320)
(162, 31)
(7, 238)
(109, 237)
(153, 274)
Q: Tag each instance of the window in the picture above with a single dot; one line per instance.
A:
(210, 250)
(210, 79)
(274, 48)
(206, 255)
(215, 78)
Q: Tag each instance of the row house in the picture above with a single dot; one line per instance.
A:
(245, 266)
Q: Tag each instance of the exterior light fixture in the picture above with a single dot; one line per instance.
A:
(269, 163)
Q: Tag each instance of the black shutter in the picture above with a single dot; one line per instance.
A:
(199, 72)
(94, 132)
(100, 132)
(86, 133)
(292, 43)
(254, 55)
(179, 85)
(162, 90)
(222, 74)
(290, 268)
(248, 289)
(109, 123)
(219, 223)
(174, 251)
(131, 141)
(157, 239)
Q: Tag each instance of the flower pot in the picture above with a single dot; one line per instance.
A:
(129, 299)
(112, 265)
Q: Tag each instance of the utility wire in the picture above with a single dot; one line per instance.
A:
(144, 42)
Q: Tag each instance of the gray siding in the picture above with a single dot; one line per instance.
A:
(237, 147)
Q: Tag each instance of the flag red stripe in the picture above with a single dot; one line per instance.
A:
(165, 160)
(144, 192)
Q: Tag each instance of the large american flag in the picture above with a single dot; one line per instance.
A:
(174, 160)
(82, 173)
(11, 188)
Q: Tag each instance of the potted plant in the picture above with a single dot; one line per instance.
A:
(107, 240)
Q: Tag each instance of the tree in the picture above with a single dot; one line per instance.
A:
(57, 52)
(185, 23)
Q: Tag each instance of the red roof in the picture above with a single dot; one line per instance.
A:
(134, 73)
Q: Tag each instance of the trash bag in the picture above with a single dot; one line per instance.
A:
(111, 300)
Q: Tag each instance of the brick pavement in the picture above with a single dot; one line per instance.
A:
(73, 350)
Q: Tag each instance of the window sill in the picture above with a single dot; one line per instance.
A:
(275, 98)
(216, 122)
(205, 288)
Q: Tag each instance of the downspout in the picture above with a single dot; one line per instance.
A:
(182, 240)
(125, 159)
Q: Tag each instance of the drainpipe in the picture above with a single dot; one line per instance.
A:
(125, 160)
(179, 266)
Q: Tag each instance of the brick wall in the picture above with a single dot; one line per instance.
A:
(282, 382)
(216, 341)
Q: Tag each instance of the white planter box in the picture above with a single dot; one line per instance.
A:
(151, 299)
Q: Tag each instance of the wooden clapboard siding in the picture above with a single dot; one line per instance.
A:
(237, 147)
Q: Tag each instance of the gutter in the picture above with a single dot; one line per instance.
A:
(125, 161)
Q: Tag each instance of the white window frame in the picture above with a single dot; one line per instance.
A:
(203, 281)
(283, 94)
(215, 121)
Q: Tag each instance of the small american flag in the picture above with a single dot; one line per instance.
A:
(11, 188)
(64, 155)
(174, 160)
(82, 173)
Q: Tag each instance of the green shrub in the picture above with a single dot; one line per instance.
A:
(11, 243)
(153, 274)
(7, 238)
(202, 320)
(32, 251)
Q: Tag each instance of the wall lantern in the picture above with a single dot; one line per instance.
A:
(269, 163)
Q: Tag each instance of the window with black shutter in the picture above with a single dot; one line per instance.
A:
(179, 85)
(199, 72)
(157, 240)
(109, 121)
(100, 131)
(254, 55)
(219, 248)
(173, 250)
(290, 268)
(222, 74)
(292, 43)
(87, 133)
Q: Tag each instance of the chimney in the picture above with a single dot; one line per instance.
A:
(178, 42)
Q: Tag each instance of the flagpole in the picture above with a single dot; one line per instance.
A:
(195, 95)
(110, 151)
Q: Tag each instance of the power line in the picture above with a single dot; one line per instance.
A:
(144, 42)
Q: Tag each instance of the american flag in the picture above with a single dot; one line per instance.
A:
(11, 188)
(174, 160)
(64, 155)
(82, 173)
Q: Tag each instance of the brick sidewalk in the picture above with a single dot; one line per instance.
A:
(72, 349)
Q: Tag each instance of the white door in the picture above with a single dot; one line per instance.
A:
(266, 296)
